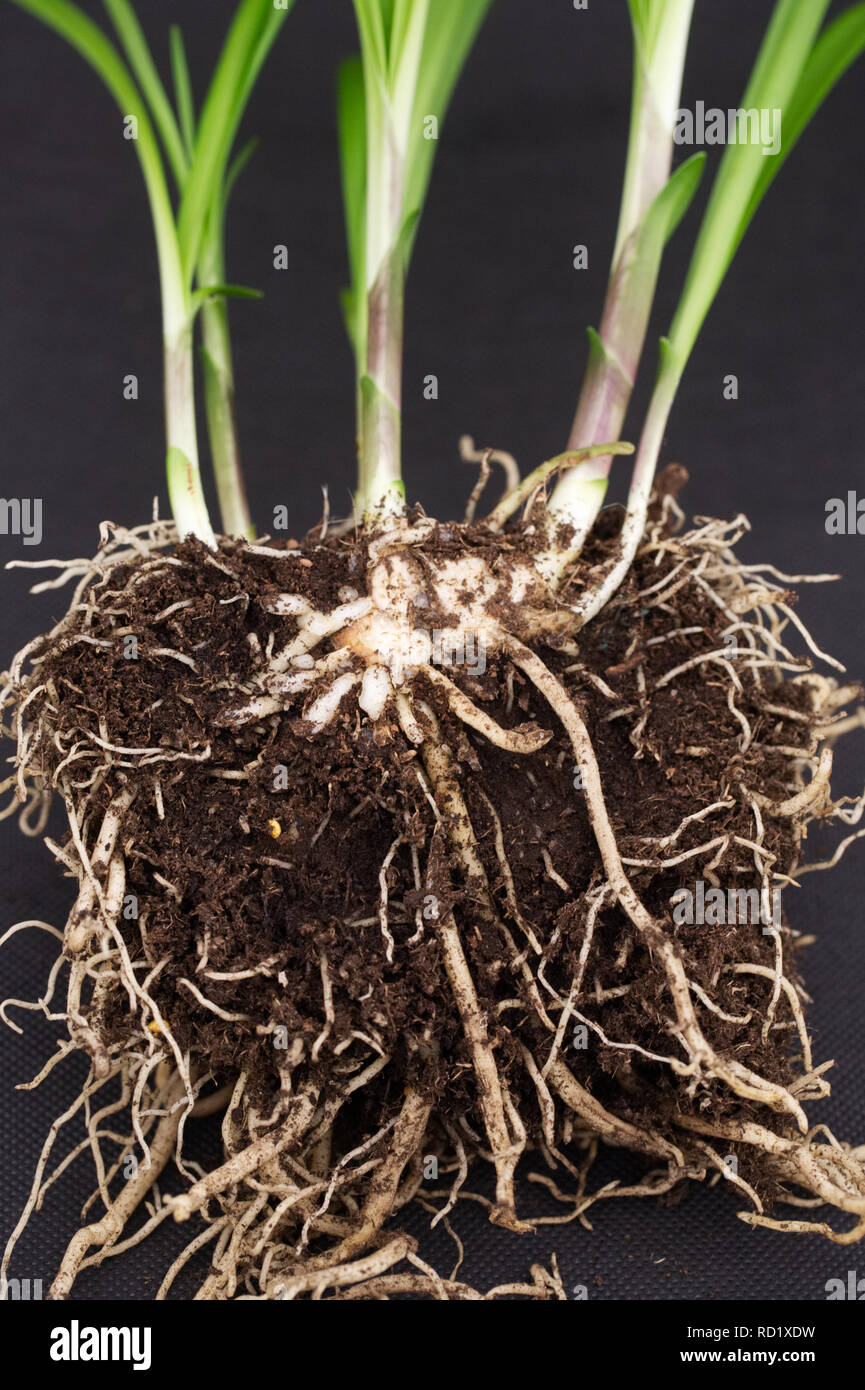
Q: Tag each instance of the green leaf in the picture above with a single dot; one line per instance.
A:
(601, 358)
(373, 22)
(199, 163)
(182, 87)
(666, 356)
(402, 14)
(451, 29)
(411, 55)
(645, 16)
(350, 316)
(212, 377)
(253, 29)
(649, 20)
(237, 166)
(372, 395)
(79, 31)
(414, 50)
(223, 292)
(351, 125)
(140, 60)
(781, 62)
(836, 49)
(674, 199)
(641, 263)
(406, 237)
(272, 25)
(597, 352)
(404, 65)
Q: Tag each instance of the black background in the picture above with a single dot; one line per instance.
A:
(530, 163)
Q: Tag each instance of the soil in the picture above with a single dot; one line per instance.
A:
(268, 853)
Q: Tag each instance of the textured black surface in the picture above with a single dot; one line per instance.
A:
(530, 164)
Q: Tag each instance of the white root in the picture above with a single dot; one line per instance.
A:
(323, 710)
(83, 920)
(528, 738)
(353, 1273)
(831, 1173)
(794, 805)
(291, 1179)
(610, 1127)
(110, 1227)
(407, 1138)
(242, 1164)
(741, 1079)
(375, 692)
(469, 454)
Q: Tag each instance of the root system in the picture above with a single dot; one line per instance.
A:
(384, 857)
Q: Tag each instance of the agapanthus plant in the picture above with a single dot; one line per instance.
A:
(423, 807)
(189, 234)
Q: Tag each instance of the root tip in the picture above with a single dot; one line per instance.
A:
(181, 1208)
(507, 1217)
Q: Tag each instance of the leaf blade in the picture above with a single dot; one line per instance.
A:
(255, 23)
(783, 55)
(182, 88)
(451, 30)
(140, 59)
(834, 52)
(351, 127)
